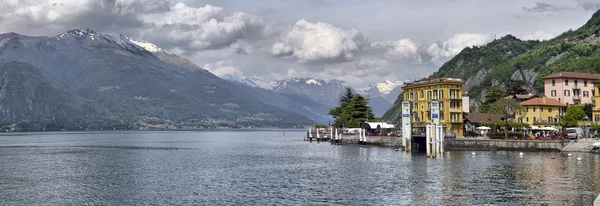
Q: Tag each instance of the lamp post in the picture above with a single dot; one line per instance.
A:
(586, 119)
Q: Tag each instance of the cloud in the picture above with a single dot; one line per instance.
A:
(544, 7)
(452, 46)
(318, 42)
(400, 50)
(317, 38)
(539, 35)
(369, 64)
(204, 28)
(221, 70)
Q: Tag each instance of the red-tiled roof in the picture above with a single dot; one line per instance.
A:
(543, 101)
(574, 75)
(465, 94)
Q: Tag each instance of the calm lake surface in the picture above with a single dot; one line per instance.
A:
(259, 168)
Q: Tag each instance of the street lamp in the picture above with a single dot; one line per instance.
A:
(586, 119)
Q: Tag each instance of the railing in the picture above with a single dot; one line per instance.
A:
(546, 122)
(576, 97)
(457, 110)
(456, 120)
(455, 97)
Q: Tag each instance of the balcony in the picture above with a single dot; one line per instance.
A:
(546, 122)
(455, 97)
(456, 110)
(456, 121)
(575, 87)
(576, 97)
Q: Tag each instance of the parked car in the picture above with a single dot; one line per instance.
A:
(574, 132)
(471, 134)
(450, 135)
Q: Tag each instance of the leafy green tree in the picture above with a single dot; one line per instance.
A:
(573, 116)
(507, 108)
(588, 109)
(492, 95)
(515, 87)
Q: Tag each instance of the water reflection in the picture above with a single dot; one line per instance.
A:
(258, 168)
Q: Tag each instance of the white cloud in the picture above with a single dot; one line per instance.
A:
(452, 46)
(202, 28)
(330, 43)
(313, 42)
(221, 70)
(403, 49)
(539, 35)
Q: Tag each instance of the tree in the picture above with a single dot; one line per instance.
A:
(588, 109)
(353, 113)
(345, 99)
(573, 116)
(507, 108)
(493, 94)
(515, 87)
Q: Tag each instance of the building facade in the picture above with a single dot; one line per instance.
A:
(447, 91)
(596, 109)
(570, 87)
(541, 111)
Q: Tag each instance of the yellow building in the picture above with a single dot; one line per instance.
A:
(447, 91)
(541, 111)
(595, 97)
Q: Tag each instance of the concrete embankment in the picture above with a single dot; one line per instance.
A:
(585, 145)
(388, 141)
(503, 145)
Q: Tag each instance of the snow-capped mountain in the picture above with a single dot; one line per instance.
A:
(381, 94)
(251, 81)
(387, 90)
(324, 92)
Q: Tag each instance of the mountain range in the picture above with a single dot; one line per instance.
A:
(381, 95)
(82, 79)
(509, 58)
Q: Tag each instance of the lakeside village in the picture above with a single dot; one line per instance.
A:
(567, 111)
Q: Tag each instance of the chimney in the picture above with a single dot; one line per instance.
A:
(544, 100)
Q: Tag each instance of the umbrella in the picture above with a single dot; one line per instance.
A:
(535, 127)
(483, 128)
(596, 144)
(549, 129)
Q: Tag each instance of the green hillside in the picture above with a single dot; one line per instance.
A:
(508, 58)
(30, 100)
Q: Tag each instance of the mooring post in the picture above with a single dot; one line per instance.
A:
(441, 139)
(427, 136)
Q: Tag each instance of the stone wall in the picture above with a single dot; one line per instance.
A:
(388, 141)
(503, 145)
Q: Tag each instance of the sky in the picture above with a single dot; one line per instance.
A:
(357, 41)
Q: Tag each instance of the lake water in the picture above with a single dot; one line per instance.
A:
(260, 168)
